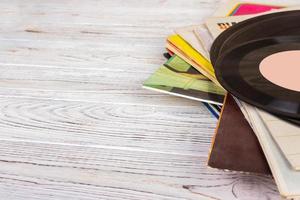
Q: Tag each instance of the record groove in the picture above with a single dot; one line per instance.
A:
(275, 24)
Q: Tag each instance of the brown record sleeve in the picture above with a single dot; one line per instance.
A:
(235, 146)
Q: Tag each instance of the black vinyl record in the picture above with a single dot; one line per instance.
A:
(238, 72)
(275, 24)
(293, 121)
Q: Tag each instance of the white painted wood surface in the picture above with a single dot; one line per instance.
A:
(75, 122)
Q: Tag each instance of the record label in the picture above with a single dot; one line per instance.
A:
(282, 69)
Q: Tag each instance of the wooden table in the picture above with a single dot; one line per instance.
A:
(75, 122)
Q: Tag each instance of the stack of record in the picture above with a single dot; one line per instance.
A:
(243, 63)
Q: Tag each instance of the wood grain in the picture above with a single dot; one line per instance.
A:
(89, 172)
(74, 120)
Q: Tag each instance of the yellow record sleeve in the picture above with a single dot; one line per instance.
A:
(189, 51)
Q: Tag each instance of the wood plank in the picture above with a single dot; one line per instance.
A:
(68, 171)
(108, 125)
(114, 86)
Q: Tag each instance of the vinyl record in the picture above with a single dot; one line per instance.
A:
(293, 121)
(241, 71)
(274, 24)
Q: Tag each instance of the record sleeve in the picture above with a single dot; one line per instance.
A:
(229, 149)
(177, 77)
